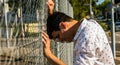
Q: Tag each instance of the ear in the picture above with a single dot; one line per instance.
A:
(63, 25)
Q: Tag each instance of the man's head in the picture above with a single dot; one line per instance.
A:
(56, 22)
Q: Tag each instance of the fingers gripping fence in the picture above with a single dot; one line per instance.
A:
(21, 23)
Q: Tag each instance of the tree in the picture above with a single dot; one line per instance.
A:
(102, 8)
(82, 8)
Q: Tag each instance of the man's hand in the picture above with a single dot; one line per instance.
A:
(46, 43)
(46, 50)
(50, 4)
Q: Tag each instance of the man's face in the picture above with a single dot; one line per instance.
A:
(60, 35)
(63, 34)
(57, 35)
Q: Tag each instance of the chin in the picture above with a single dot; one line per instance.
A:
(68, 41)
(65, 41)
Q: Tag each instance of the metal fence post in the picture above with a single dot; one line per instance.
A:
(6, 23)
(113, 29)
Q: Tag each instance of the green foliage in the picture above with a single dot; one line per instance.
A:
(82, 8)
(102, 7)
(103, 25)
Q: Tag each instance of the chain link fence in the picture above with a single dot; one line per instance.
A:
(21, 23)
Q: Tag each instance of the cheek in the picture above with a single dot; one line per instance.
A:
(55, 34)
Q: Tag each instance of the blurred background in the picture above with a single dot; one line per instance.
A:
(21, 23)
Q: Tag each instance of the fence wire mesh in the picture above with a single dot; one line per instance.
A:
(21, 23)
(64, 50)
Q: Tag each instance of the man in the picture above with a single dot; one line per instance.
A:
(91, 46)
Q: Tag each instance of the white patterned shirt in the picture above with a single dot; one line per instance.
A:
(91, 45)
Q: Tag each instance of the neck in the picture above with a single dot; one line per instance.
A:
(74, 25)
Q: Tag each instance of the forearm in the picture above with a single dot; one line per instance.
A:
(52, 58)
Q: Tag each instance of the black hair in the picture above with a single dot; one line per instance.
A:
(53, 21)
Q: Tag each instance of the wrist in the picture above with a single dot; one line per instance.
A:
(47, 52)
(50, 12)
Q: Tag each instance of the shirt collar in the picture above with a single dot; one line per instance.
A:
(82, 25)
